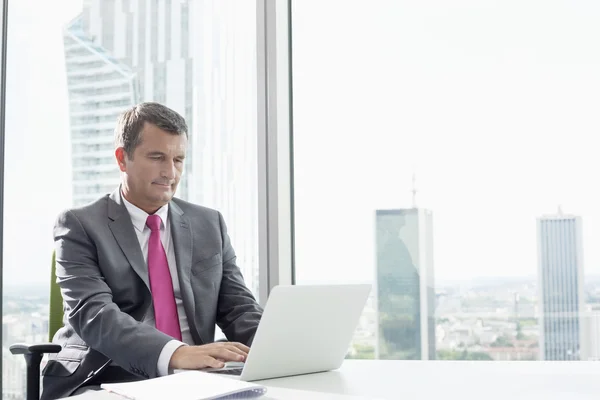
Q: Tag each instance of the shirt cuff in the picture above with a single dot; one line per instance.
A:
(165, 356)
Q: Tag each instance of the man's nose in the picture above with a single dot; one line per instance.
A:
(170, 171)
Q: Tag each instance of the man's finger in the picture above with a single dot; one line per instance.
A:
(236, 350)
(231, 346)
(241, 346)
(227, 355)
(211, 362)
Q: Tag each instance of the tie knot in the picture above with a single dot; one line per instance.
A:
(153, 222)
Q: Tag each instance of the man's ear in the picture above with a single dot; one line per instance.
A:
(121, 156)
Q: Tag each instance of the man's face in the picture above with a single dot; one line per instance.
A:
(151, 176)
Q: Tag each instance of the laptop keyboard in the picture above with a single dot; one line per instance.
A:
(231, 371)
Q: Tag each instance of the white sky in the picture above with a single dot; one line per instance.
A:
(492, 103)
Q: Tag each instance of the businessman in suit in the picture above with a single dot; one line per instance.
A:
(144, 276)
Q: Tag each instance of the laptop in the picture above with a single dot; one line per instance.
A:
(304, 329)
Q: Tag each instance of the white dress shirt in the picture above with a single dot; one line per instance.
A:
(138, 218)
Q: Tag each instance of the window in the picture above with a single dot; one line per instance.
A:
(445, 152)
(72, 68)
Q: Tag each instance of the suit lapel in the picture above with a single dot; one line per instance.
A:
(182, 242)
(124, 232)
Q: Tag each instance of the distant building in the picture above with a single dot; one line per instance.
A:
(14, 382)
(521, 350)
(100, 88)
(561, 297)
(590, 322)
(405, 289)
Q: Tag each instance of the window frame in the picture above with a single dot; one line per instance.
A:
(3, 27)
(275, 146)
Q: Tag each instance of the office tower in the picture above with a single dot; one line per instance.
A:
(590, 322)
(561, 294)
(198, 58)
(405, 285)
(100, 87)
(14, 383)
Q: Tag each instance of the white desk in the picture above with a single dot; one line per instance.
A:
(466, 380)
(454, 379)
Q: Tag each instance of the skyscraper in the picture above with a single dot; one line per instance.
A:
(560, 276)
(198, 58)
(405, 284)
(100, 87)
(590, 322)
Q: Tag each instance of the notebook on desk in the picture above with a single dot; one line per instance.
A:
(188, 385)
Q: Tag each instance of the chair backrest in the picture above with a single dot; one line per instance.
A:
(55, 317)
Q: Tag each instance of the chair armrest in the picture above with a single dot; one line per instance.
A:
(33, 354)
(24, 348)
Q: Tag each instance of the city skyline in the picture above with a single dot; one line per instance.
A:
(456, 193)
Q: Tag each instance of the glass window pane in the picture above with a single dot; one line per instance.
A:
(444, 152)
(73, 68)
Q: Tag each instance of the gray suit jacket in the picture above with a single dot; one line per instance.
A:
(104, 283)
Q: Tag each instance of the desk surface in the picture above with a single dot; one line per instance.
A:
(442, 379)
(492, 380)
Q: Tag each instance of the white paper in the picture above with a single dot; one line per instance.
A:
(189, 385)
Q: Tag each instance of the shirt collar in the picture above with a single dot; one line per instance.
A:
(139, 216)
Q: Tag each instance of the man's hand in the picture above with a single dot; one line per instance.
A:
(211, 355)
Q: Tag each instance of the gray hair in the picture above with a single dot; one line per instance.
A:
(131, 122)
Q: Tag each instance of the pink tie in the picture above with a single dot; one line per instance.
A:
(161, 285)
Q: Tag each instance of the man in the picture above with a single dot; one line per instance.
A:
(145, 276)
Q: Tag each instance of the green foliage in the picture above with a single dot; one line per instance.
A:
(362, 352)
(462, 355)
(503, 341)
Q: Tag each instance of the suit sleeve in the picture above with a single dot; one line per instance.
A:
(238, 313)
(90, 309)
